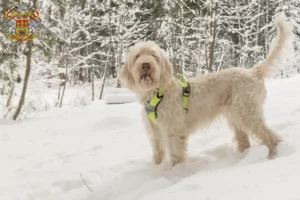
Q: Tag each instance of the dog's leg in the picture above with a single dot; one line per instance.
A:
(241, 137)
(155, 138)
(177, 148)
(253, 120)
(157, 149)
(242, 140)
(157, 146)
(268, 137)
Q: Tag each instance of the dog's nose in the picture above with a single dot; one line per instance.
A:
(146, 66)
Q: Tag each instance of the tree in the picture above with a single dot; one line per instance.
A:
(27, 73)
(67, 64)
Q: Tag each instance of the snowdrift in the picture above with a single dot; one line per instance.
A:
(56, 154)
(119, 95)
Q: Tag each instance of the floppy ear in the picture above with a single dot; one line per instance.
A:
(126, 76)
(166, 69)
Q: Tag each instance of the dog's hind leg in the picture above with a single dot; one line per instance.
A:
(267, 135)
(241, 137)
(252, 119)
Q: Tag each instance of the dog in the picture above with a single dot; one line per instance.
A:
(238, 94)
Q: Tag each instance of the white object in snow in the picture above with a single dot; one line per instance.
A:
(119, 95)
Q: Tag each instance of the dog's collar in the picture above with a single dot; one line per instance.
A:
(151, 106)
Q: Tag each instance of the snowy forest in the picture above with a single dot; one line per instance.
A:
(84, 43)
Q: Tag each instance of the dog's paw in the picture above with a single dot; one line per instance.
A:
(273, 150)
(176, 160)
(157, 159)
(272, 154)
(167, 166)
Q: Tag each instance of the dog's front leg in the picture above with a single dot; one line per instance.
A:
(177, 147)
(155, 138)
(157, 146)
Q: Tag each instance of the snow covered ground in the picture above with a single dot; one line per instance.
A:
(48, 157)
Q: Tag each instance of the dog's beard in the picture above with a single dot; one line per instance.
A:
(145, 76)
(146, 80)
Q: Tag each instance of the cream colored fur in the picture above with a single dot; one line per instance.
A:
(238, 94)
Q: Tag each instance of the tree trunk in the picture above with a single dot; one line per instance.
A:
(182, 41)
(12, 82)
(121, 24)
(267, 29)
(58, 95)
(240, 45)
(92, 69)
(8, 102)
(113, 67)
(67, 62)
(119, 63)
(205, 46)
(27, 74)
(104, 75)
(26, 78)
(213, 30)
(199, 68)
(93, 84)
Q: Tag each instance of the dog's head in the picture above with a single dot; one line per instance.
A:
(147, 67)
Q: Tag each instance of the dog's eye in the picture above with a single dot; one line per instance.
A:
(137, 56)
(154, 55)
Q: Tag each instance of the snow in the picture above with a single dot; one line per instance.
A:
(45, 157)
(119, 95)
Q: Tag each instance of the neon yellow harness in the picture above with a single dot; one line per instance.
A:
(151, 106)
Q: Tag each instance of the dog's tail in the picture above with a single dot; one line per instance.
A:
(280, 46)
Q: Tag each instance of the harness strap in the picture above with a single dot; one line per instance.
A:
(185, 91)
(151, 106)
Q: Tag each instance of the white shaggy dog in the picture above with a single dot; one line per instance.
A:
(238, 94)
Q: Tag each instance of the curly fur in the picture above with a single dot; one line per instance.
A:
(238, 94)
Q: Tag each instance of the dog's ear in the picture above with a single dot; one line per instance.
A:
(166, 69)
(126, 76)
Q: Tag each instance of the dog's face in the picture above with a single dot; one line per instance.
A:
(146, 68)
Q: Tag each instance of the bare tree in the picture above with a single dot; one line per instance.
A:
(12, 89)
(93, 82)
(27, 73)
(213, 33)
(182, 64)
(67, 63)
(11, 92)
(120, 38)
(93, 69)
(110, 46)
(104, 74)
